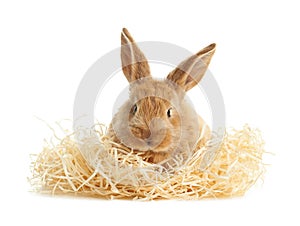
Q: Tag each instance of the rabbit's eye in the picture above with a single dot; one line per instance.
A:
(134, 109)
(169, 112)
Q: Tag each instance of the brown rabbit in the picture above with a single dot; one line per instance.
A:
(157, 119)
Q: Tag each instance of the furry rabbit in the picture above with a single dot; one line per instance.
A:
(157, 120)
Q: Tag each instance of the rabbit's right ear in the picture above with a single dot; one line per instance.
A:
(189, 72)
(134, 63)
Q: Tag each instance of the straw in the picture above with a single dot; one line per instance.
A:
(97, 167)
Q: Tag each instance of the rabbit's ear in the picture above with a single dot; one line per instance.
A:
(189, 72)
(134, 62)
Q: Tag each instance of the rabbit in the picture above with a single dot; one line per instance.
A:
(157, 120)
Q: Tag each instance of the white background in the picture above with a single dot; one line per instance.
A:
(45, 49)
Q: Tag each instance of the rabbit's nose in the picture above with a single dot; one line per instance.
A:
(145, 133)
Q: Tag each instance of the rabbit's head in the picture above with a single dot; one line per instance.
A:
(157, 118)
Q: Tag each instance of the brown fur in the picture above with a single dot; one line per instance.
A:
(150, 130)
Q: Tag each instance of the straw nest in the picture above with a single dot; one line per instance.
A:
(95, 166)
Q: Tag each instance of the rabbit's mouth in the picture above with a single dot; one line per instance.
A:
(158, 141)
(164, 145)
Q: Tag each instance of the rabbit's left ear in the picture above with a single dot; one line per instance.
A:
(134, 63)
(189, 72)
